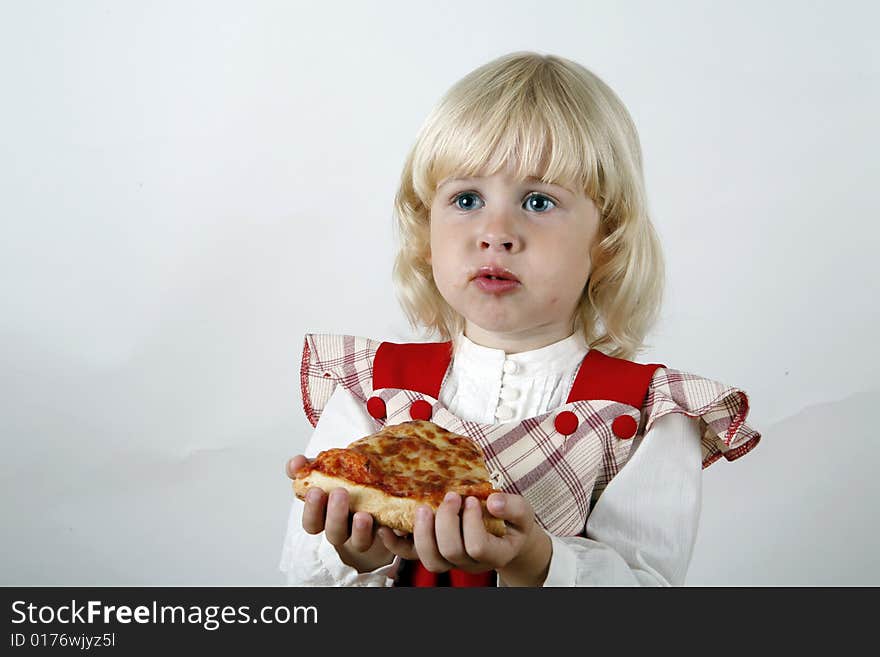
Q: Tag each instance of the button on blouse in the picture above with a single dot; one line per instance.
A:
(510, 387)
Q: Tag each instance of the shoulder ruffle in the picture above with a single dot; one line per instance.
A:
(722, 411)
(329, 360)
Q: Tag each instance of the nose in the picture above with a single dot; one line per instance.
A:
(496, 243)
(498, 235)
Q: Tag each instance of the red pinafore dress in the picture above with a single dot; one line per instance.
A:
(561, 460)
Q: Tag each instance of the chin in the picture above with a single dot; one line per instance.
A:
(495, 324)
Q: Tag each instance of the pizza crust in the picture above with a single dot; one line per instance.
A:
(394, 512)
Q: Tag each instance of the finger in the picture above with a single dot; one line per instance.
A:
(336, 523)
(314, 511)
(295, 464)
(426, 542)
(513, 509)
(399, 545)
(447, 528)
(361, 531)
(479, 544)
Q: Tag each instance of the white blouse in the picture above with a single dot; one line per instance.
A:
(642, 529)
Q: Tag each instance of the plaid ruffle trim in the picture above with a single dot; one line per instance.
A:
(721, 409)
(328, 360)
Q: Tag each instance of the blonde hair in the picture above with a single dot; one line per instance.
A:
(554, 119)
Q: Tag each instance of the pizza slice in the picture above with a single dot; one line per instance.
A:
(390, 473)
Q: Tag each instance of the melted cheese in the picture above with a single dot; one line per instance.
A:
(416, 459)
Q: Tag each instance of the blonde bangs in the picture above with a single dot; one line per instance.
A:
(484, 125)
(545, 117)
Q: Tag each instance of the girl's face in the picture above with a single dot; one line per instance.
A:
(541, 234)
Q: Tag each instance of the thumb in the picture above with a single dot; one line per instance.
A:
(295, 464)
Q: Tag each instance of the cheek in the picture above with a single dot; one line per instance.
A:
(566, 274)
(439, 264)
(443, 253)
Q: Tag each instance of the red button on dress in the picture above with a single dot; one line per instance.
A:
(376, 407)
(624, 427)
(566, 423)
(420, 410)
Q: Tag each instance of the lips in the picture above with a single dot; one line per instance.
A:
(492, 272)
(495, 280)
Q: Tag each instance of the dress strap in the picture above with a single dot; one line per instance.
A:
(416, 366)
(615, 379)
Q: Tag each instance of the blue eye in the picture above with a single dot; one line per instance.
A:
(461, 196)
(544, 199)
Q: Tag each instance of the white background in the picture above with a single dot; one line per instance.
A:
(187, 188)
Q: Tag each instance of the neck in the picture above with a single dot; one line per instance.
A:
(514, 342)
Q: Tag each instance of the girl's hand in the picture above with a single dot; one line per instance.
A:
(444, 541)
(353, 537)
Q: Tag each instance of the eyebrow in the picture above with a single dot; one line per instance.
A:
(528, 178)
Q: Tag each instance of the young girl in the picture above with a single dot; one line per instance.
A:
(526, 245)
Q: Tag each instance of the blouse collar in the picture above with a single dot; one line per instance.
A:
(553, 358)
